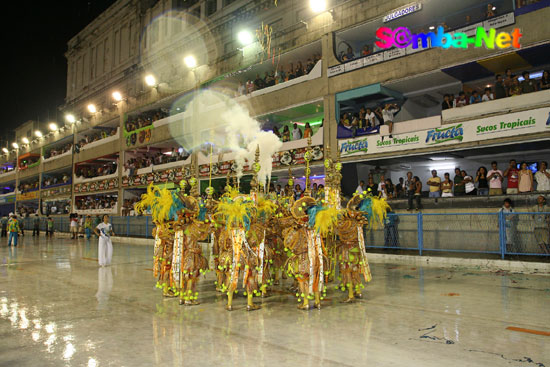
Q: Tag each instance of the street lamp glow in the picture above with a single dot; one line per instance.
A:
(25, 140)
(38, 133)
(5, 150)
(15, 145)
(190, 61)
(245, 37)
(318, 6)
(117, 96)
(150, 80)
(92, 108)
(70, 118)
(53, 126)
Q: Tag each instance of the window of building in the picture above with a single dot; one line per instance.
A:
(210, 7)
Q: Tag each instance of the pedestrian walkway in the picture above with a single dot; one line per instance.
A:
(57, 307)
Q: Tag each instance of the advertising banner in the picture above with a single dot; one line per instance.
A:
(512, 124)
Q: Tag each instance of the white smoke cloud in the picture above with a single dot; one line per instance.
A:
(213, 117)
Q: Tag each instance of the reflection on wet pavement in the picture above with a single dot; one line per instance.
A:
(57, 307)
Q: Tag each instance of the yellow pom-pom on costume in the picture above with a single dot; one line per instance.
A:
(379, 212)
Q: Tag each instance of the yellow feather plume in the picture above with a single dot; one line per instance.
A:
(326, 220)
(266, 206)
(379, 212)
(159, 200)
(235, 213)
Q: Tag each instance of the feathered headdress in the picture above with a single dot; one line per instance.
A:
(325, 220)
(374, 209)
(236, 212)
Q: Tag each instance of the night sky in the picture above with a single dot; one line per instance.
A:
(34, 39)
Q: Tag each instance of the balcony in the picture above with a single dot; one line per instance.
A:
(102, 141)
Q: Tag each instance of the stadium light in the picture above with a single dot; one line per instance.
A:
(92, 108)
(53, 126)
(150, 80)
(38, 133)
(245, 37)
(190, 61)
(5, 150)
(15, 145)
(318, 6)
(25, 140)
(117, 96)
(70, 118)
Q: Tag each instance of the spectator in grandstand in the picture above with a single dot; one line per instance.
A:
(469, 186)
(417, 187)
(388, 113)
(361, 187)
(475, 98)
(276, 132)
(481, 180)
(510, 224)
(446, 102)
(372, 187)
(491, 11)
(299, 70)
(296, 132)
(400, 188)
(542, 224)
(447, 186)
(525, 181)
(298, 193)
(544, 82)
(348, 55)
(366, 50)
(286, 134)
(461, 100)
(308, 132)
(528, 85)
(500, 88)
(488, 95)
(434, 183)
(515, 88)
(495, 178)
(409, 185)
(370, 118)
(381, 186)
(389, 189)
(543, 177)
(512, 178)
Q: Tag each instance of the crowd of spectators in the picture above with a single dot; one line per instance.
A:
(25, 210)
(128, 207)
(62, 206)
(6, 169)
(285, 134)
(369, 118)
(279, 75)
(96, 136)
(28, 186)
(96, 171)
(55, 179)
(52, 152)
(515, 179)
(91, 202)
(145, 119)
(507, 85)
(155, 158)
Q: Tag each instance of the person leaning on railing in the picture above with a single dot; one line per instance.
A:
(542, 224)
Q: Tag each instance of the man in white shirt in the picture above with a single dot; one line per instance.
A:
(361, 187)
(389, 111)
(542, 176)
(370, 117)
(296, 133)
(381, 186)
(487, 96)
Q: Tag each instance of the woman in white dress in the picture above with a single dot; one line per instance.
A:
(104, 231)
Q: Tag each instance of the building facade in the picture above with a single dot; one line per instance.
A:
(147, 81)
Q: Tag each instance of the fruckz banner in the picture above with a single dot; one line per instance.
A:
(512, 124)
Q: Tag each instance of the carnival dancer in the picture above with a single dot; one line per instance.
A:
(362, 210)
(163, 211)
(188, 260)
(236, 212)
(104, 231)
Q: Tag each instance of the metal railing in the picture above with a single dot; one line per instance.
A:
(518, 233)
(525, 233)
